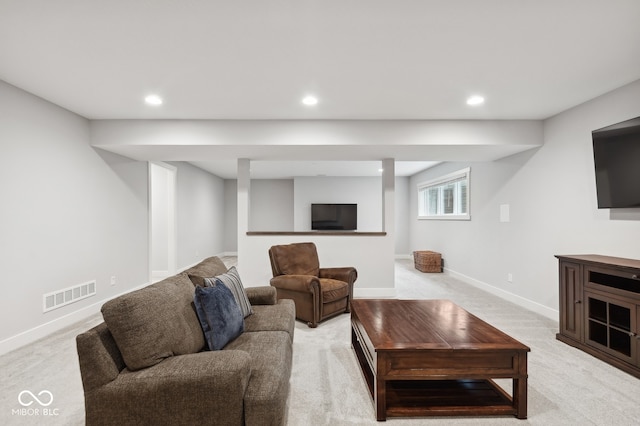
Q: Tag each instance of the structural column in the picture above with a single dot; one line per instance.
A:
(244, 189)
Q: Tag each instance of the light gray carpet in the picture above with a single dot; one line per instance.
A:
(566, 386)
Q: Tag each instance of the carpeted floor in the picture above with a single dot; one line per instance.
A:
(566, 386)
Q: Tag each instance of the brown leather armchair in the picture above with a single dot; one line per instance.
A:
(319, 293)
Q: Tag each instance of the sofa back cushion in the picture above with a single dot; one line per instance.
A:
(155, 322)
(209, 267)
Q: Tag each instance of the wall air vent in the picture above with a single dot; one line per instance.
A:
(57, 299)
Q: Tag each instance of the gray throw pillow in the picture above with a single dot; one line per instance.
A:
(231, 279)
(219, 315)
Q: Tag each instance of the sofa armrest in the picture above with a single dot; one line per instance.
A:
(185, 389)
(299, 283)
(347, 274)
(99, 358)
(263, 295)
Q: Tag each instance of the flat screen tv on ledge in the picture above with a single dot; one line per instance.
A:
(616, 153)
(334, 217)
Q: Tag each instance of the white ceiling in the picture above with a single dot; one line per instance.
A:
(364, 59)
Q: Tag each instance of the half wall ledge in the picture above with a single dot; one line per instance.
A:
(316, 233)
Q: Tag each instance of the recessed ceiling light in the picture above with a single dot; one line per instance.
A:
(310, 100)
(153, 100)
(381, 170)
(475, 100)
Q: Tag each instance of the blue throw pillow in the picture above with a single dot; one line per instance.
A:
(219, 315)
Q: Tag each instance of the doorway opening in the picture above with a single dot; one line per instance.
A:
(162, 220)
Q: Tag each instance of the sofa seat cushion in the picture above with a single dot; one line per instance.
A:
(333, 290)
(268, 389)
(181, 390)
(209, 267)
(278, 317)
(155, 322)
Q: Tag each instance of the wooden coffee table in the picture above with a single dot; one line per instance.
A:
(433, 358)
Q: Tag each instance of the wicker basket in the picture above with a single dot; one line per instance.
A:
(427, 261)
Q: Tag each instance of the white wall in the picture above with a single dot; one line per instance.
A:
(200, 214)
(285, 205)
(371, 255)
(402, 195)
(272, 205)
(70, 214)
(160, 205)
(230, 231)
(552, 199)
(363, 191)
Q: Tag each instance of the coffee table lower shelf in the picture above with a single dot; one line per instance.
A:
(424, 398)
(447, 398)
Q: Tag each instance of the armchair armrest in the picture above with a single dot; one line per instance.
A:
(300, 283)
(183, 389)
(263, 295)
(347, 274)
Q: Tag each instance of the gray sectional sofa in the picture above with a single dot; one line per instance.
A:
(147, 363)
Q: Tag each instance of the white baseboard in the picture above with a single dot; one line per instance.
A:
(404, 256)
(514, 298)
(43, 330)
(158, 275)
(374, 293)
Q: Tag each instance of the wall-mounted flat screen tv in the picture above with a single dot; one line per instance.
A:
(334, 217)
(616, 153)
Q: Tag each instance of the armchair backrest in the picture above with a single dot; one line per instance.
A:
(294, 259)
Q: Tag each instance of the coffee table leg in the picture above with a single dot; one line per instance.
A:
(380, 399)
(520, 388)
(520, 397)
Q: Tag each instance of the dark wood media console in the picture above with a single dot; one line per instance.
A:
(600, 308)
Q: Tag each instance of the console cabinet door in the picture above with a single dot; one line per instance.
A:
(610, 325)
(637, 335)
(571, 311)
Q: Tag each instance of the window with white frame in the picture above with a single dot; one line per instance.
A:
(446, 197)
